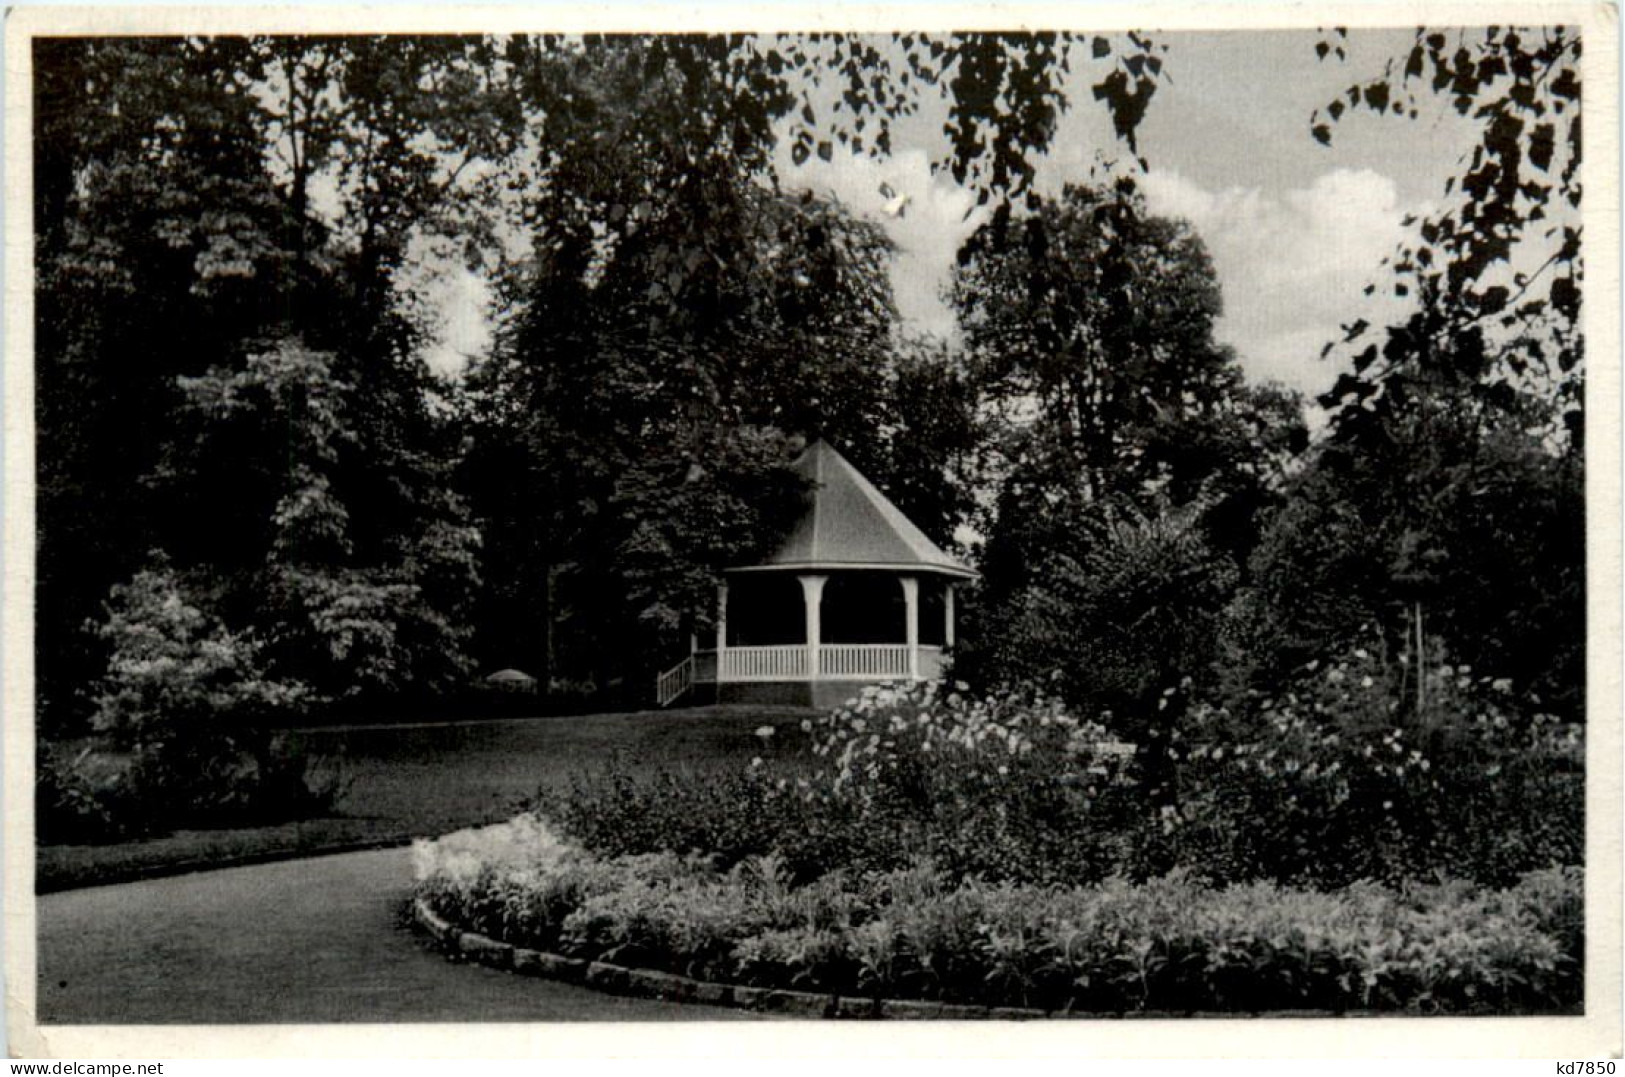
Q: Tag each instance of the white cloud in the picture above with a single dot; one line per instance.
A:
(928, 234)
(1293, 266)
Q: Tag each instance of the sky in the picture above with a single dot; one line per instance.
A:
(1295, 229)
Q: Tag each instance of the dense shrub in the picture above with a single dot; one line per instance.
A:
(181, 722)
(1284, 853)
(88, 792)
(1113, 604)
(77, 794)
(1170, 944)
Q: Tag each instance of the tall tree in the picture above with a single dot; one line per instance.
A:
(1450, 519)
(348, 606)
(1089, 327)
(157, 249)
(1131, 463)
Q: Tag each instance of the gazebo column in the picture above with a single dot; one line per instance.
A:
(948, 614)
(911, 599)
(722, 625)
(812, 600)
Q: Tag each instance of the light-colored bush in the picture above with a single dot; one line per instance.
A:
(182, 720)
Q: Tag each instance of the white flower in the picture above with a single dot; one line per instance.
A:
(423, 858)
(764, 731)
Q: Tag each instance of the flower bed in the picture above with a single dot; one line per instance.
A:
(1169, 944)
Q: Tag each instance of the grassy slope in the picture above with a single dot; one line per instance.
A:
(411, 781)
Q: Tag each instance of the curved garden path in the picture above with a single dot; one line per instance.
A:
(301, 941)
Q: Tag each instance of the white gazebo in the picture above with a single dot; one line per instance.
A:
(855, 594)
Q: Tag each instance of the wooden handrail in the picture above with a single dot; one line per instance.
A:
(670, 685)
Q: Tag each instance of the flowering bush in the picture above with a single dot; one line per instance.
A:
(1007, 787)
(1170, 944)
(625, 808)
(1334, 782)
(888, 727)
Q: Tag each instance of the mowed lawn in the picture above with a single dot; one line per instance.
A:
(406, 781)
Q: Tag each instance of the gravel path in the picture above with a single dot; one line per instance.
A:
(302, 941)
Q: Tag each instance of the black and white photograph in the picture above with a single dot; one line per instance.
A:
(928, 523)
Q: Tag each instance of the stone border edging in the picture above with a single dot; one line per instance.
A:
(648, 983)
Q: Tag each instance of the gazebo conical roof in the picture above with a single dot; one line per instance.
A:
(848, 524)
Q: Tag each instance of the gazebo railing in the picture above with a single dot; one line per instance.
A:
(762, 664)
(863, 661)
(836, 661)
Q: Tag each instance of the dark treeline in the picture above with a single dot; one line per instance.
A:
(257, 500)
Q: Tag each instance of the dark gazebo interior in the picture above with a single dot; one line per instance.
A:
(765, 609)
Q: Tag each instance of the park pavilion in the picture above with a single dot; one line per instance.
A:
(855, 594)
